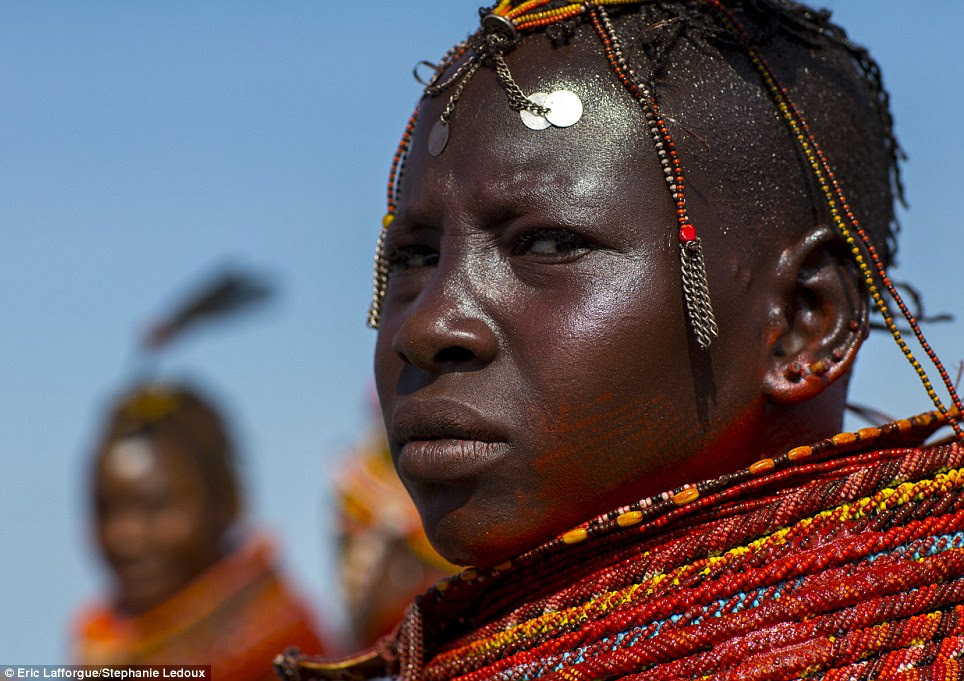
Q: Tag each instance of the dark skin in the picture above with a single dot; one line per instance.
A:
(534, 362)
(157, 521)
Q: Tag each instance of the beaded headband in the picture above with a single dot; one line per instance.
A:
(148, 405)
(502, 25)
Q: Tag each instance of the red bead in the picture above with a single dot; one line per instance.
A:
(687, 233)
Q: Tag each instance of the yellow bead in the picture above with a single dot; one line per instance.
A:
(687, 496)
(629, 519)
(762, 466)
(468, 575)
(387, 220)
(843, 439)
(799, 453)
(575, 536)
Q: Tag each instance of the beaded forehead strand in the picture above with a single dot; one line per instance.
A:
(501, 26)
(695, 289)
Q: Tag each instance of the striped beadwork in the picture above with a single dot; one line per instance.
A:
(850, 567)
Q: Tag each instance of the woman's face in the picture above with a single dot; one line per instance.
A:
(156, 522)
(533, 360)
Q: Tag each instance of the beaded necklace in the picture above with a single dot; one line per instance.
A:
(843, 558)
(505, 21)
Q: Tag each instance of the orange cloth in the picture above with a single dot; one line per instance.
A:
(236, 616)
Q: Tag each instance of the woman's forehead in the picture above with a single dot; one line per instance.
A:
(492, 151)
(708, 105)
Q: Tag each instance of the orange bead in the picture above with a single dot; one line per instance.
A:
(575, 536)
(629, 519)
(843, 439)
(762, 466)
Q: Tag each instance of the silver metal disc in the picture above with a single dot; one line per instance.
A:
(565, 108)
(438, 138)
(532, 120)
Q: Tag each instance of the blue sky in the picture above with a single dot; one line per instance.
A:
(143, 144)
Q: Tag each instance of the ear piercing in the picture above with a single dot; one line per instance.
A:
(794, 372)
(820, 367)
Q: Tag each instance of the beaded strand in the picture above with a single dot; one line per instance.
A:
(380, 278)
(695, 287)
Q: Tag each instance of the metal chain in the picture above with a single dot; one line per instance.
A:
(517, 98)
(453, 100)
(434, 89)
(489, 48)
(697, 293)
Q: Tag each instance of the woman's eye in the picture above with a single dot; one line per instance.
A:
(412, 257)
(552, 243)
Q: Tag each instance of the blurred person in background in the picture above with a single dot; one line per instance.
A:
(189, 584)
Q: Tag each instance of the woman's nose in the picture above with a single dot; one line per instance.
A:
(444, 329)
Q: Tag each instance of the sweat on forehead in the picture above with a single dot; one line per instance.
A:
(746, 176)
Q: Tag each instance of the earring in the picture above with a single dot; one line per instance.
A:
(820, 367)
(793, 372)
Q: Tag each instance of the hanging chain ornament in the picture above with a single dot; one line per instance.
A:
(696, 290)
(538, 111)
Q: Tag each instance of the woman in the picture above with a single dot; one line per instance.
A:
(623, 281)
(188, 586)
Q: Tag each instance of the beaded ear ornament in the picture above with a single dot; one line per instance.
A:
(502, 26)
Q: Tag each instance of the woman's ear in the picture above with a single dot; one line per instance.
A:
(820, 309)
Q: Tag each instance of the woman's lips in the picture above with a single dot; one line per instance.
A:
(444, 440)
(447, 459)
